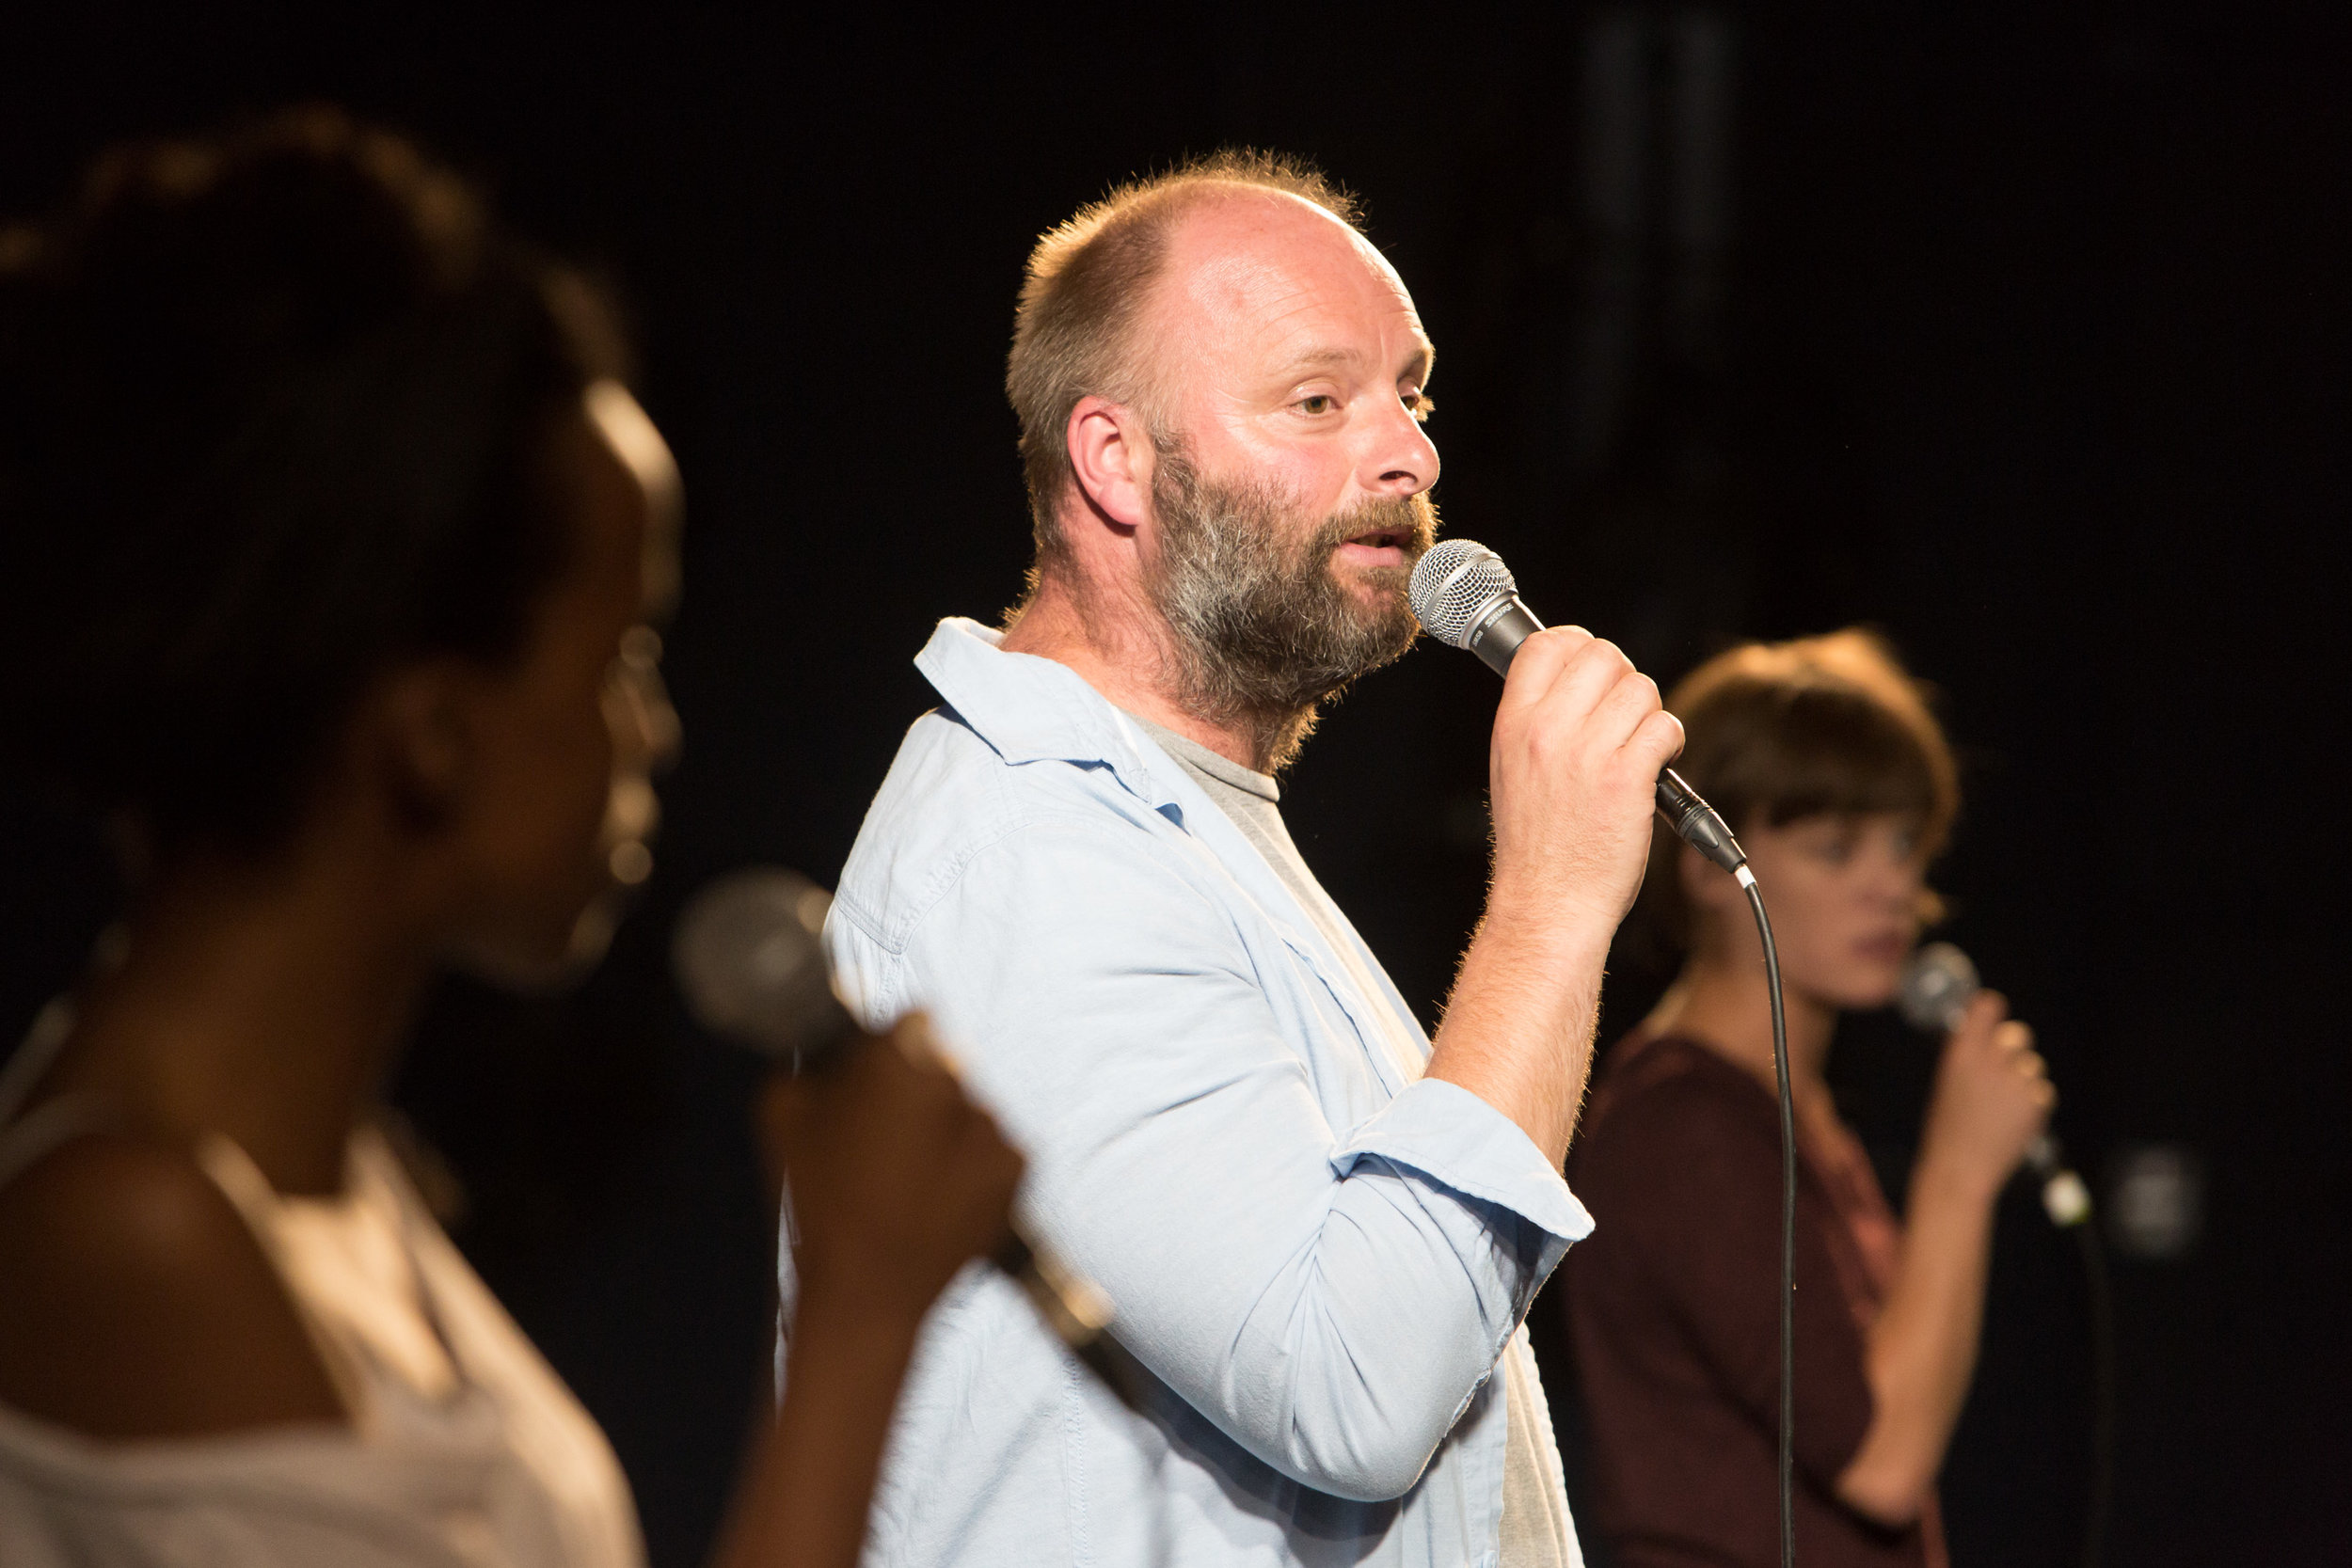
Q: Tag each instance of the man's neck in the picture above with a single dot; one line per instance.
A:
(1124, 651)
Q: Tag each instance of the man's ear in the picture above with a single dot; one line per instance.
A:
(1112, 452)
(418, 741)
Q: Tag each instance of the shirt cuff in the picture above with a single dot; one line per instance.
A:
(1458, 1140)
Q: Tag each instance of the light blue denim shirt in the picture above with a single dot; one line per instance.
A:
(1318, 1253)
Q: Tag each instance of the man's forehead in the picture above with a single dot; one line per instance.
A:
(1283, 273)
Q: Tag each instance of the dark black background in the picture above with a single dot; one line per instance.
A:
(2030, 355)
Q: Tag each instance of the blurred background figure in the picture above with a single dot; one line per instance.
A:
(335, 549)
(1824, 757)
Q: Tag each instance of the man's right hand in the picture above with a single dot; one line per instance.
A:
(1578, 740)
(1578, 743)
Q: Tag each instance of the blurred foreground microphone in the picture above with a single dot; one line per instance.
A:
(1466, 596)
(1937, 988)
(747, 956)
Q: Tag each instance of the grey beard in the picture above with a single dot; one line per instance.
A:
(1262, 630)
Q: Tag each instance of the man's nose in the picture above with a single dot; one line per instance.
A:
(1403, 458)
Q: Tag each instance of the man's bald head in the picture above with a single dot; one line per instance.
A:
(1088, 288)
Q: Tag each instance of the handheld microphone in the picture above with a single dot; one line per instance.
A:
(748, 961)
(1938, 985)
(1465, 596)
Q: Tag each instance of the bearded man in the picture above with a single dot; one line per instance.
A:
(1320, 1233)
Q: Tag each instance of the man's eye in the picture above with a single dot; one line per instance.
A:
(1420, 404)
(1320, 403)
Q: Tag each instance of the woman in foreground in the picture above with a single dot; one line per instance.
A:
(336, 546)
(1824, 758)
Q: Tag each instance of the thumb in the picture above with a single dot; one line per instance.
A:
(1985, 1012)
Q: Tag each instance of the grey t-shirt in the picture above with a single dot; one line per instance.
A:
(1536, 1529)
(1253, 802)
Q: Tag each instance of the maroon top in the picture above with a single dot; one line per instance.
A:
(1672, 1304)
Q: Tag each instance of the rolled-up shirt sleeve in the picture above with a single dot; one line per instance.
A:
(1330, 1297)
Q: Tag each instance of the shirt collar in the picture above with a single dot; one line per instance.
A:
(1031, 709)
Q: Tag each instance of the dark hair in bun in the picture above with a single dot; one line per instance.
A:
(271, 413)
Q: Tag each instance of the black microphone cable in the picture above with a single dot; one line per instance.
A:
(2101, 1303)
(1787, 1223)
(1465, 596)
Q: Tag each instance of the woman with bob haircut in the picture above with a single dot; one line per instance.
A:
(1823, 756)
(335, 547)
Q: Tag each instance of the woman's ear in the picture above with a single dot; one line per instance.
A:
(418, 742)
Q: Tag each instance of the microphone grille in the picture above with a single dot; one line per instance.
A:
(1937, 986)
(749, 963)
(1453, 584)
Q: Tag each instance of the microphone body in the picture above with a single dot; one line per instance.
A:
(1937, 987)
(749, 963)
(1464, 595)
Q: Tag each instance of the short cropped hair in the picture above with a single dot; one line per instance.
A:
(273, 414)
(1777, 731)
(1086, 283)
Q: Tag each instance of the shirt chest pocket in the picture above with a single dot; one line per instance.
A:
(1343, 1037)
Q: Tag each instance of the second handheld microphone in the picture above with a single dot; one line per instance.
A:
(1938, 985)
(1466, 596)
(750, 969)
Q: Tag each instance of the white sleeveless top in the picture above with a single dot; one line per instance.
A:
(465, 1449)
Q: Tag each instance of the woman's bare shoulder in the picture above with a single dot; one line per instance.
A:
(135, 1303)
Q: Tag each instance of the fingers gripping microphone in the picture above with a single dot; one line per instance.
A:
(1937, 988)
(1466, 596)
(747, 961)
